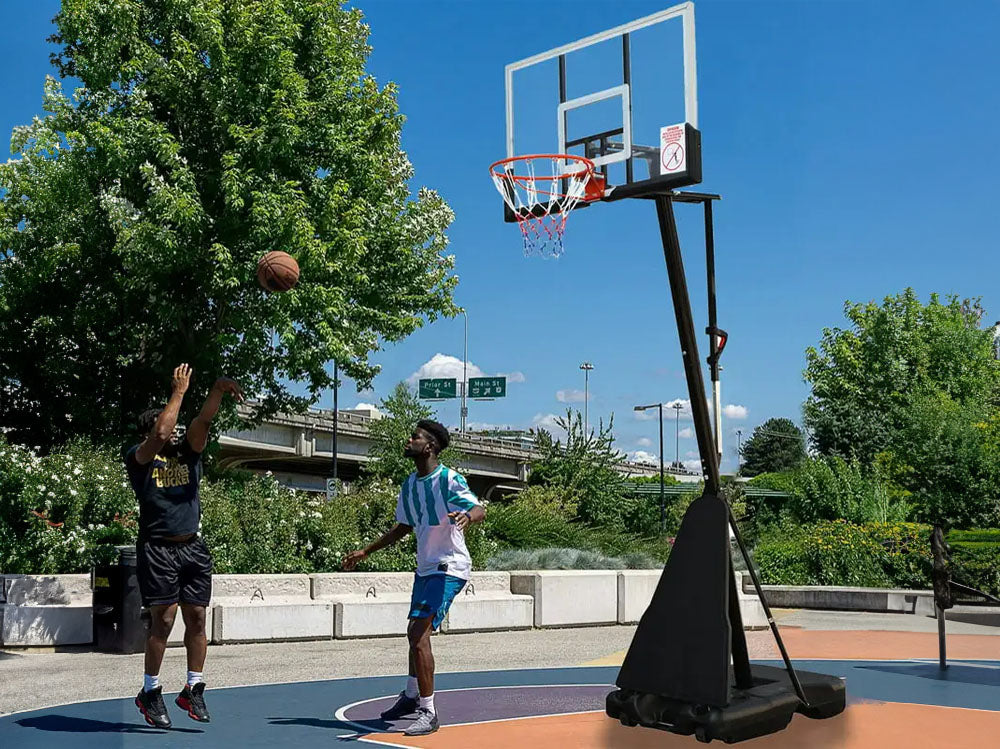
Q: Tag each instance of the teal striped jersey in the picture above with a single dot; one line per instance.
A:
(424, 503)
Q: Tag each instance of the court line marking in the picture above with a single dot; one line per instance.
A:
(341, 713)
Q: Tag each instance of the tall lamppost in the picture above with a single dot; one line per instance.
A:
(465, 376)
(663, 510)
(677, 433)
(332, 488)
(739, 449)
(586, 367)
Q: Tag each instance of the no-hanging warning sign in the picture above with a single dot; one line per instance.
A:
(673, 158)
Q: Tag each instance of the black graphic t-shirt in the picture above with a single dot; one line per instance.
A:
(167, 489)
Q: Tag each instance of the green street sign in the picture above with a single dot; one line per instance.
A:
(487, 387)
(439, 387)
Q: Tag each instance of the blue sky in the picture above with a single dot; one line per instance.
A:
(854, 145)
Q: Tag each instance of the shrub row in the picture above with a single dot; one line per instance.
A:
(877, 555)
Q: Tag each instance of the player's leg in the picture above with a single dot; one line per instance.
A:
(157, 573)
(196, 593)
(428, 611)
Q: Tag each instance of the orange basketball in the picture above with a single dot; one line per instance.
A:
(277, 271)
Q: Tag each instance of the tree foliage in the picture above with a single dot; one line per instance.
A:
(776, 445)
(913, 390)
(206, 133)
(584, 468)
(401, 412)
(865, 378)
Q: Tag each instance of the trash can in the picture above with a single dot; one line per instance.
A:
(119, 626)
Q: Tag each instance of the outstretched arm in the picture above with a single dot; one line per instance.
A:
(197, 433)
(398, 532)
(167, 419)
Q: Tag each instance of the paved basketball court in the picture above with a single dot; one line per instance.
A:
(897, 695)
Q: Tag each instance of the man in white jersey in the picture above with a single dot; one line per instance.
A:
(436, 503)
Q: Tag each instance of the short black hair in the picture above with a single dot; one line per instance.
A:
(147, 419)
(437, 431)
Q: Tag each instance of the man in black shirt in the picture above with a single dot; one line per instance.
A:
(173, 564)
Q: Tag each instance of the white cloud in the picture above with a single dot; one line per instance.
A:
(571, 396)
(513, 376)
(687, 433)
(545, 421)
(644, 442)
(734, 412)
(442, 365)
(692, 465)
(641, 456)
(365, 407)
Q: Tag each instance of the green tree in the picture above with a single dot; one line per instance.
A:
(776, 445)
(865, 378)
(585, 470)
(401, 412)
(206, 133)
(913, 390)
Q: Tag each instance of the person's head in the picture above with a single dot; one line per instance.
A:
(429, 438)
(147, 421)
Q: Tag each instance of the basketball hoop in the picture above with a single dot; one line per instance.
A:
(541, 190)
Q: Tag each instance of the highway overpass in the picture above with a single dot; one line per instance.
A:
(297, 449)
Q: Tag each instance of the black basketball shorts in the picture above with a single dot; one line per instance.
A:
(174, 572)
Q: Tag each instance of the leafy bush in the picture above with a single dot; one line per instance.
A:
(63, 512)
(251, 524)
(841, 553)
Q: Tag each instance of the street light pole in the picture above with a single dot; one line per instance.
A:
(663, 506)
(677, 433)
(336, 384)
(739, 449)
(586, 367)
(465, 376)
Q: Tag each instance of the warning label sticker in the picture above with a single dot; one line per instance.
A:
(673, 159)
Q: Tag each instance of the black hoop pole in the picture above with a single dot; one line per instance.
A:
(703, 429)
(689, 344)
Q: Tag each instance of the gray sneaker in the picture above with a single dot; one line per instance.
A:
(401, 707)
(426, 722)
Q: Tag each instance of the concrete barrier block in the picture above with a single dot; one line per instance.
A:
(34, 626)
(751, 609)
(335, 585)
(356, 616)
(266, 589)
(842, 598)
(176, 636)
(566, 598)
(489, 611)
(635, 591)
(268, 622)
(47, 590)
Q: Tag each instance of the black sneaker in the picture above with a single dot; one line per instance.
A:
(402, 707)
(426, 722)
(192, 699)
(151, 706)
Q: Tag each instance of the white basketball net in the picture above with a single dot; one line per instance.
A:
(542, 202)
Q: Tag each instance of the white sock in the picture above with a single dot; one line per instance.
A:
(194, 677)
(427, 703)
(149, 683)
(411, 688)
